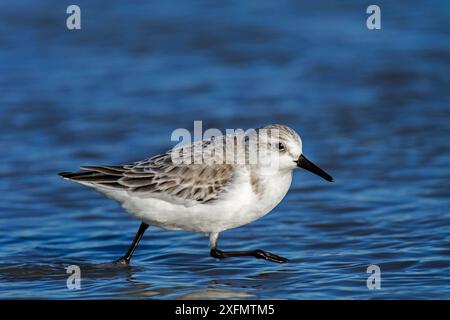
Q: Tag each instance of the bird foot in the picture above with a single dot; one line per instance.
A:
(122, 262)
(261, 254)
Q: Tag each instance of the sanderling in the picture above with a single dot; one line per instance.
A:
(207, 197)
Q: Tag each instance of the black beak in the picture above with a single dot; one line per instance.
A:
(304, 163)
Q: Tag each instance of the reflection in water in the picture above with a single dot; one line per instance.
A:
(213, 294)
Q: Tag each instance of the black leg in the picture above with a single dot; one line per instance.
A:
(127, 257)
(259, 254)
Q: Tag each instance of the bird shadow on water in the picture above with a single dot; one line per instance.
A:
(150, 278)
(53, 277)
(208, 278)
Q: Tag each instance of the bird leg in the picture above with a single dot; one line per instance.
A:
(125, 260)
(259, 254)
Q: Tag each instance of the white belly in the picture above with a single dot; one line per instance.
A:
(239, 206)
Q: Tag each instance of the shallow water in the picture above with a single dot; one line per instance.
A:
(372, 108)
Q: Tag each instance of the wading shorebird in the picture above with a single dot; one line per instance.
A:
(208, 196)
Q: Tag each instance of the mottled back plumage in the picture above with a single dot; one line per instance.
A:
(156, 175)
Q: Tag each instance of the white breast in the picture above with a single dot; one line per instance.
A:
(273, 190)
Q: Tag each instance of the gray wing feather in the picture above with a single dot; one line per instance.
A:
(160, 177)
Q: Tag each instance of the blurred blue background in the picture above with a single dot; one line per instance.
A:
(372, 108)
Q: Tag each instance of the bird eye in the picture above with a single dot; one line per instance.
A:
(281, 147)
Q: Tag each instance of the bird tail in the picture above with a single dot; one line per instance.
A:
(94, 176)
(79, 176)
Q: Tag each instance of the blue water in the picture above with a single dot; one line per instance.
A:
(372, 107)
